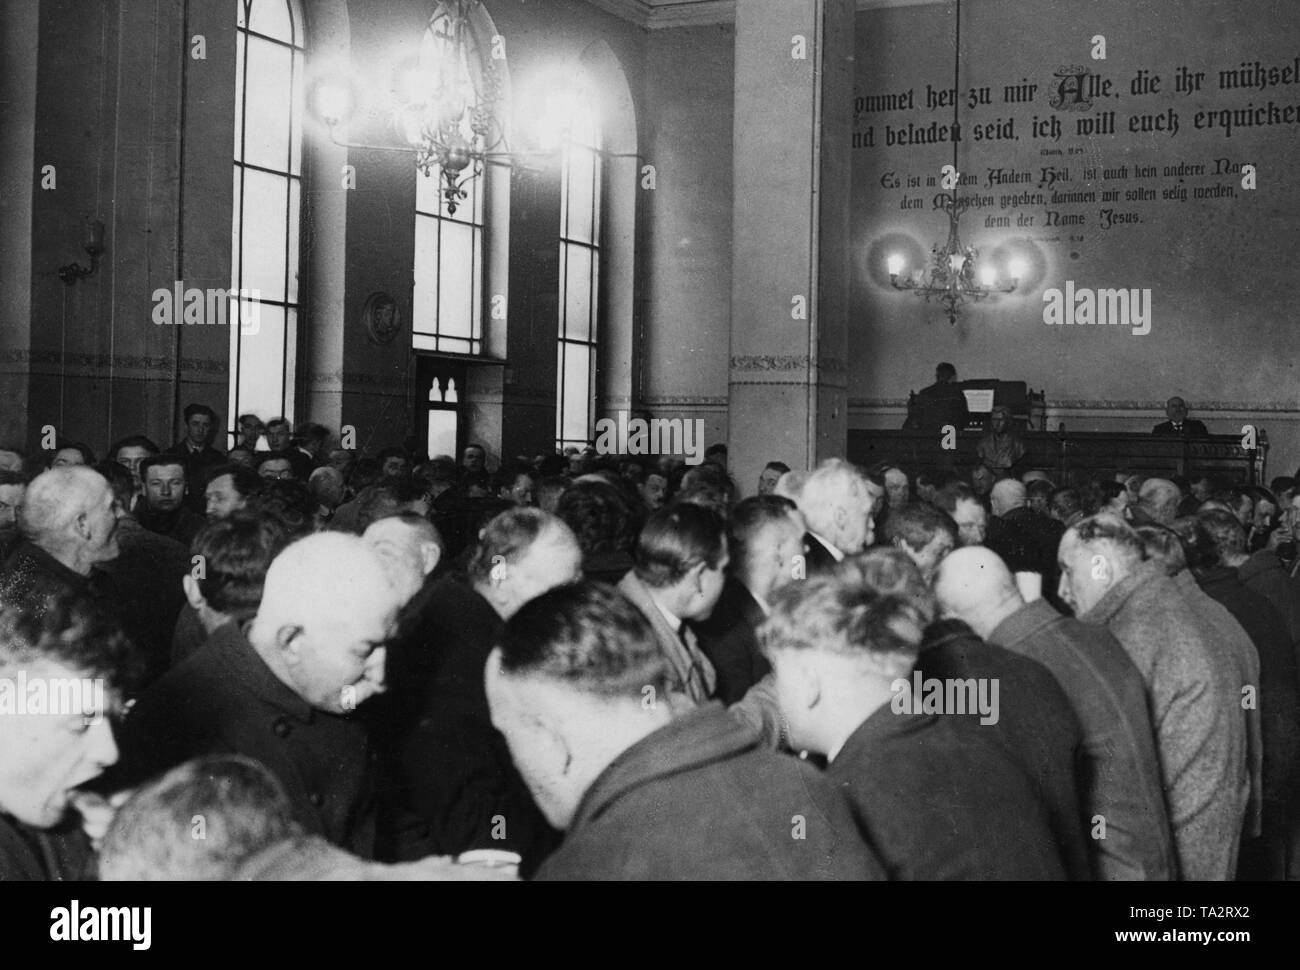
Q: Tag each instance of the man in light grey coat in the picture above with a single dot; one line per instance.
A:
(1118, 771)
(1192, 685)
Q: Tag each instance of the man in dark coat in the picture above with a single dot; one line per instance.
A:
(162, 507)
(836, 505)
(1028, 714)
(763, 540)
(458, 789)
(1035, 724)
(1118, 771)
(148, 573)
(197, 451)
(579, 687)
(284, 691)
(1179, 424)
(70, 528)
(936, 795)
(1040, 534)
(1264, 573)
(1265, 857)
(942, 403)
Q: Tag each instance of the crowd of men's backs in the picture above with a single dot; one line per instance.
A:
(363, 668)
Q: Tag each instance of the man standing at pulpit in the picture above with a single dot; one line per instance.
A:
(1179, 424)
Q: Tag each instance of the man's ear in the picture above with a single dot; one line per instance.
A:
(695, 576)
(807, 680)
(288, 641)
(550, 730)
(430, 554)
(841, 516)
(82, 525)
(192, 593)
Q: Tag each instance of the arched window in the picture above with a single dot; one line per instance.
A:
(580, 216)
(269, 70)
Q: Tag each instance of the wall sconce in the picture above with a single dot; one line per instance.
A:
(94, 247)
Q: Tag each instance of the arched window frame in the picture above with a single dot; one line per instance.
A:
(582, 193)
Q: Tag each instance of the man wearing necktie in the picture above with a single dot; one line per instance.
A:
(1179, 424)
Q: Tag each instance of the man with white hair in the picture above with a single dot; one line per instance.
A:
(283, 692)
(1158, 500)
(1191, 686)
(1118, 772)
(836, 505)
(69, 524)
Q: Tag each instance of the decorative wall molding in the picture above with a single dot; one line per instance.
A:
(777, 383)
(868, 403)
(107, 362)
(1195, 407)
(788, 362)
(326, 380)
(701, 403)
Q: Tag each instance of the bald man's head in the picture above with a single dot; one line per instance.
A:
(1159, 499)
(327, 610)
(1007, 494)
(975, 585)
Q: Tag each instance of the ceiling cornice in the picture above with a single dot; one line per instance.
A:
(663, 14)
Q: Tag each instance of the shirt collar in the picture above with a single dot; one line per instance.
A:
(830, 546)
(674, 622)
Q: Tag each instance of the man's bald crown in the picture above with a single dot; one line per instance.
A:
(327, 574)
(972, 578)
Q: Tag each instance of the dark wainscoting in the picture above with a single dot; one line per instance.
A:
(1071, 457)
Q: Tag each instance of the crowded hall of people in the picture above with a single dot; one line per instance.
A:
(580, 440)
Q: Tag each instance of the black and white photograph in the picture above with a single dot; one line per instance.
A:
(693, 441)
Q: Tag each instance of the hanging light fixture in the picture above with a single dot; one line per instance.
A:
(444, 101)
(954, 276)
(447, 100)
